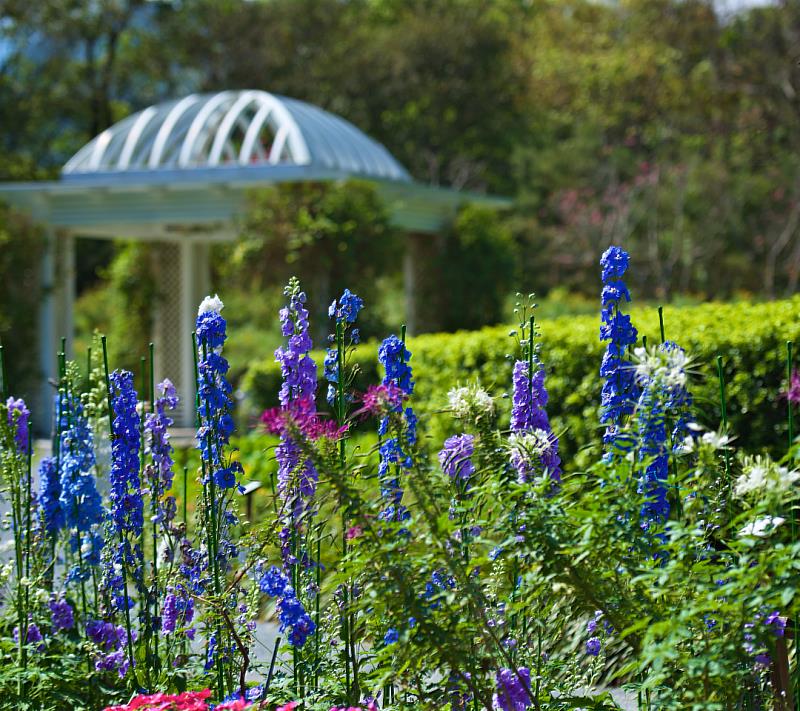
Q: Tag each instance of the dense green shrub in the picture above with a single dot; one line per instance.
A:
(751, 338)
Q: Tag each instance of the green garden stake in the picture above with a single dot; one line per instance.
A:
(644, 342)
(724, 412)
(185, 485)
(89, 366)
(790, 414)
(792, 514)
(403, 333)
(661, 322)
(64, 344)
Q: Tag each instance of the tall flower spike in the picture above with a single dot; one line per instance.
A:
(127, 507)
(79, 500)
(664, 401)
(214, 391)
(160, 474)
(49, 496)
(394, 451)
(528, 414)
(619, 392)
(297, 477)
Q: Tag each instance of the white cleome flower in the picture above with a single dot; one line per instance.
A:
(762, 527)
(665, 366)
(471, 401)
(210, 303)
(526, 445)
(762, 474)
(715, 440)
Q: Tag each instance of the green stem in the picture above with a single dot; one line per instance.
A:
(340, 415)
(792, 513)
(661, 322)
(154, 504)
(724, 412)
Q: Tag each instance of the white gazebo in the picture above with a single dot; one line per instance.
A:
(179, 174)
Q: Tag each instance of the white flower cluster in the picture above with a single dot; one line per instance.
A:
(470, 402)
(711, 440)
(668, 367)
(761, 474)
(762, 527)
(210, 303)
(527, 445)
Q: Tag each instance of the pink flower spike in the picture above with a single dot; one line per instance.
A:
(288, 707)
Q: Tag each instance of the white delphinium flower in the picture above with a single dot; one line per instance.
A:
(762, 527)
(210, 303)
(470, 402)
(762, 474)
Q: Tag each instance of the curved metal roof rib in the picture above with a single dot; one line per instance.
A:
(234, 129)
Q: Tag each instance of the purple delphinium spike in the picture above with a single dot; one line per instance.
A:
(619, 392)
(297, 477)
(528, 414)
(126, 516)
(159, 471)
(49, 496)
(214, 393)
(394, 451)
(79, 502)
(663, 398)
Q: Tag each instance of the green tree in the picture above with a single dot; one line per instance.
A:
(330, 235)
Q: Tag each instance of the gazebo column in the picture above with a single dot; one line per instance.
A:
(421, 281)
(55, 318)
(183, 274)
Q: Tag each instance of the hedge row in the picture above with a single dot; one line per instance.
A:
(751, 338)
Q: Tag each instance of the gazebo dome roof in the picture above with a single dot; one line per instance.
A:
(235, 129)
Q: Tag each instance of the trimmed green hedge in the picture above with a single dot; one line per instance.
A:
(751, 338)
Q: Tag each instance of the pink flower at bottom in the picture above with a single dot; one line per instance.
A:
(288, 707)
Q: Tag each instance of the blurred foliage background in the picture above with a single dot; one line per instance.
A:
(666, 126)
